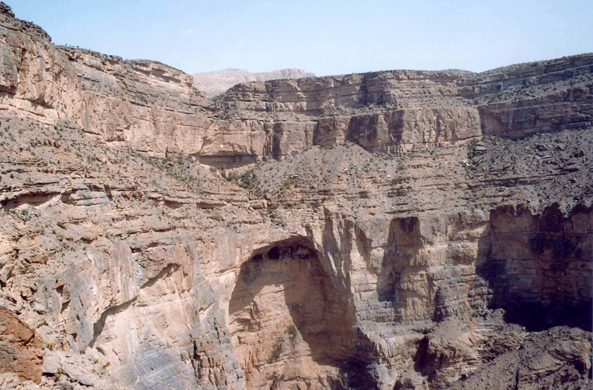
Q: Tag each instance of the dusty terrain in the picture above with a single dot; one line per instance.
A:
(388, 230)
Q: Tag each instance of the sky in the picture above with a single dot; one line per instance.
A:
(323, 37)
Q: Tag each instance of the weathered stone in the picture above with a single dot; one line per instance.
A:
(21, 349)
(399, 229)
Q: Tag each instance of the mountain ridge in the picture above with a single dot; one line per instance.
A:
(217, 82)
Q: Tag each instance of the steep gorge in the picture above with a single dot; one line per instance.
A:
(388, 230)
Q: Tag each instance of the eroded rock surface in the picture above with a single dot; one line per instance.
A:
(21, 350)
(388, 230)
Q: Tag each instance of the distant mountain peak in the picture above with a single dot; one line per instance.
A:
(217, 82)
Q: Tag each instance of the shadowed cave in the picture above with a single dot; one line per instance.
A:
(539, 267)
(536, 267)
(290, 327)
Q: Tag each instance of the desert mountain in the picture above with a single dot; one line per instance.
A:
(387, 230)
(215, 83)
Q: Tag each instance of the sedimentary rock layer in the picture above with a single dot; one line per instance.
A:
(400, 229)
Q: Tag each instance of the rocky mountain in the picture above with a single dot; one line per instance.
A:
(387, 230)
(213, 84)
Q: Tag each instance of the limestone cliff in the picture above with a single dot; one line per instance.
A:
(388, 230)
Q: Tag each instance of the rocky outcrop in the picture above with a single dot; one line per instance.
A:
(445, 106)
(22, 349)
(36, 81)
(141, 103)
(399, 229)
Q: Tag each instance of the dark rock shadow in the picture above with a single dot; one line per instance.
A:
(227, 161)
(319, 312)
(538, 267)
(403, 244)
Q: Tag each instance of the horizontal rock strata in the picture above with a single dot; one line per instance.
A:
(387, 230)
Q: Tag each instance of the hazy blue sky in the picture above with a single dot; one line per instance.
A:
(323, 37)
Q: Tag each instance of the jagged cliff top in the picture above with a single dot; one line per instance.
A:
(229, 80)
(8, 19)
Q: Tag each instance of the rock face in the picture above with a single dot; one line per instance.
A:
(276, 298)
(388, 230)
(22, 350)
(215, 83)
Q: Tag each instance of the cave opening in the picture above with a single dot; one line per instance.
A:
(290, 327)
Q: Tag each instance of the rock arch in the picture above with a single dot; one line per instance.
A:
(289, 325)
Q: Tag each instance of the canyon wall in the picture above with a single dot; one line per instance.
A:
(388, 230)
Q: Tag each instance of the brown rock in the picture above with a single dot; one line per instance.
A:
(22, 349)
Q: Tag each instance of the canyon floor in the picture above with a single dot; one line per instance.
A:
(388, 230)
